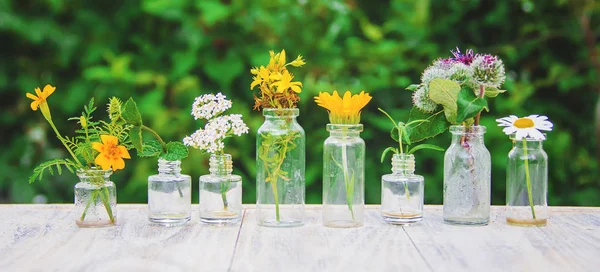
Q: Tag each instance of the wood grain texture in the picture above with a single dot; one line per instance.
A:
(313, 247)
(44, 237)
(570, 242)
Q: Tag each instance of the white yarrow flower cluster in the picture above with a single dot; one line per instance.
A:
(209, 105)
(218, 127)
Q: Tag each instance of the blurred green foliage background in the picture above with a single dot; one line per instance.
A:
(166, 52)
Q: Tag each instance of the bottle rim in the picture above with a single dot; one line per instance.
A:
(344, 127)
(285, 112)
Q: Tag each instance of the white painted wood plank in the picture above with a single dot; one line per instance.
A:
(45, 237)
(570, 242)
(313, 247)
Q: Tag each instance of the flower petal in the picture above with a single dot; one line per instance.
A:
(521, 133)
(48, 90)
(98, 146)
(109, 139)
(118, 164)
(536, 134)
(509, 130)
(124, 152)
(34, 105)
(103, 161)
(31, 96)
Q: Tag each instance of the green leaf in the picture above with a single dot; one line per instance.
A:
(493, 92)
(468, 105)
(151, 149)
(38, 172)
(425, 146)
(131, 113)
(135, 135)
(412, 87)
(387, 150)
(423, 130)
(176, 151)
(445, 93)
(395, 134)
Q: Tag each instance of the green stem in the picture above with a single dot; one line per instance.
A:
(162, 143)
(481, 94)
(224, 188)
(276, 197)
(60, 137)
(87, 206)
(105, 196)
(406, 192)
(349, 193)
(527, 178)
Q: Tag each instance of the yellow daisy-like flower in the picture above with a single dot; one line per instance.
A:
(40, 100)
(111, 153)
(285, 82)
(525, 127)
(344, 110)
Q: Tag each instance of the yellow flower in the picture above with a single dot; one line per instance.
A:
(111, 153)
(344, 110)
(285, 82)
(298, 61)
(262, 74)
(41, 100)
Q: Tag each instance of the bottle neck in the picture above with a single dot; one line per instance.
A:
(530, 144)
(94, 175)
(336, 130)
(403, 164)
(166, 167)
(220, 165)
(467, 136)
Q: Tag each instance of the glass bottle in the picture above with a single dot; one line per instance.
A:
(280, 162)
(95, 198)
(344, 177)
(527, 184)
(402, 192)
(169, 195)
(220, 192)
(467, 177)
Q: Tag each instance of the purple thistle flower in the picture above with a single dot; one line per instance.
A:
(466, 58)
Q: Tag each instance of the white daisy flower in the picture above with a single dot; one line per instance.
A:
(525, 127)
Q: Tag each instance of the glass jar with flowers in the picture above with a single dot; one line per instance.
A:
(343, 160)
(527, 170)
(280, 150)
(96, 152)
(169, 191)
(220, 191)
(452, 93)
(402, 191)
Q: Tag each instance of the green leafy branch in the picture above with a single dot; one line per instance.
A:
(273, 152)
(50, 166)
(401, 133)
(172, 151)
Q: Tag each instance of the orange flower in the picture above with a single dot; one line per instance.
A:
(344, 110)
(39, 100)
(111, 153)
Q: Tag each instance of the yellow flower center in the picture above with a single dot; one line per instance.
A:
(524, 123)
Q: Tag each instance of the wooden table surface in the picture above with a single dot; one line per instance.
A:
(44, 237)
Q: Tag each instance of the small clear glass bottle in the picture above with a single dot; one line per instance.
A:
(467, 178)
(344, 177)
(169, 195)
(527, 184)
(220, 192)
(95, 199)
(402, 192)
(280, 167)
